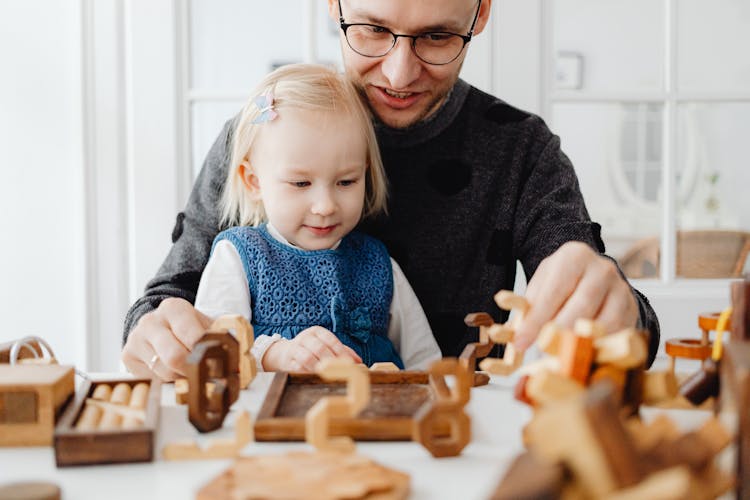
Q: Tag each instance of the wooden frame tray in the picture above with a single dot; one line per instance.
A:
(395, 398)
(81, 447)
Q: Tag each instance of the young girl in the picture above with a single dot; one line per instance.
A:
(305, 168)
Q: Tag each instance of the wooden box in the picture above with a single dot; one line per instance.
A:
(81, 447)
(31, 399)
(395, 398)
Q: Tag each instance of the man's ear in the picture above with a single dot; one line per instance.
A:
(250, 180)
(483, 17)
(333, 10)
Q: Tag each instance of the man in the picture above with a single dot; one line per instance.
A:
(474, 185)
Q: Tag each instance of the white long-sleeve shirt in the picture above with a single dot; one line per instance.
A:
(224, 290)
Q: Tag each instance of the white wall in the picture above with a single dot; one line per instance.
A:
(42, 286)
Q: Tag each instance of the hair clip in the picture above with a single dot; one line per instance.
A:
(265, 104)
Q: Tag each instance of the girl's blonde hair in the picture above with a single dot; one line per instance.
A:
(299, 86)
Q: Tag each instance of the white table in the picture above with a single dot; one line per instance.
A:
(497, 420)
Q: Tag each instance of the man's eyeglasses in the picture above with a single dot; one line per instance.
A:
(433, 47)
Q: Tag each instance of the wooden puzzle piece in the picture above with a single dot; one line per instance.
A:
(244, 333)
(549, 387)
(659, 386)
(212, 361)
(529, 478)
(216, 448)
(576, 355)
(384, 366)
(587, 435)
(624, 349)
(741, 309)
(448, 406)
(357, 396)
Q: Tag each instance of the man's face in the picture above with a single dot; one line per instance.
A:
(401, 89)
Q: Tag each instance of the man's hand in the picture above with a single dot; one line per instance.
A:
(576, 282)
(163, 338)
(303, 352)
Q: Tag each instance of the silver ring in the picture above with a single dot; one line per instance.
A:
(152, 362)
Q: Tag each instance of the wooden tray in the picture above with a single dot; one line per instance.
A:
(85, 447)
(395, 398)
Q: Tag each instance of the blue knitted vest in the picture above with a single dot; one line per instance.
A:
(347, 290)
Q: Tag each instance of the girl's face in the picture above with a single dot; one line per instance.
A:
(308, 169)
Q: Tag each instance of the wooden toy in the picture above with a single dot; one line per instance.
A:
(32, 398)
(244, 333)
(491, 333)
(30, 490)
(384, 367)
(531, 478)
(608, 459)
(695, 349)
(740, 321)
(395, 398)
(314, 476)
(111, 421)
(448, 406)
(317, 419)
(213, 380)
(27, 348)
(215, 448)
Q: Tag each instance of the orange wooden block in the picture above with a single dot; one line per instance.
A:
(576, 355)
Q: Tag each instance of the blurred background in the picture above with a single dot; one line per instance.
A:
(108, 107)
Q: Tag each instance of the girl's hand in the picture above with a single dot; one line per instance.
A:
(305, 351)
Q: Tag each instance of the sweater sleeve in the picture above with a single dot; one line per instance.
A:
(192, 236)
(551, 211)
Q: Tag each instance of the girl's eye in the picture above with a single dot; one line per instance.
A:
(347, 182)
(300, 184)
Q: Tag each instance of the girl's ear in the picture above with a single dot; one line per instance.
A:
(250, 180)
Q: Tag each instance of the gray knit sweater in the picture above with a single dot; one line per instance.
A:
(477, 186)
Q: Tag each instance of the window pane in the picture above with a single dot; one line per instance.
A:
(713, 45)
(234, 44)
(712, 183)
(206, 121)
(609, 145)
(619, 44)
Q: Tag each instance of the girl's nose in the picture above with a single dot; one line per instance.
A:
(323, 204)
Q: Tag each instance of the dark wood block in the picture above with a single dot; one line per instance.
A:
(395, 399)
(530, 478)
(89, 447)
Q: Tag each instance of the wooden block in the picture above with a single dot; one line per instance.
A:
(30, 490)
(331, 407)
(473, 350)
(589, 328)
(481, 320)
(529, 478)
(447, 407)
(659, 386)
(741, 309)
(594, 445)
(307, 475)
(91, 414)
(111, 419)
(548, 387)
(384, 366)
(500, 333)
(545, 364)
(702, 384)
(85, 446)
(181, 390)
(576, 355)
(616, 376)
(395, 399)
(624, 349)
(216, 448)
(506, 299)
(244, 334)
(215, 359)
(549, 338)
(31, 399)
(735, 399)
(510, 362)
(520, 394)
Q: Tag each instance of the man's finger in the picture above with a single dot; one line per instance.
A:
(187, 323)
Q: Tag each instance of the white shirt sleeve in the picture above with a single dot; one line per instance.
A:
(408, 328)
(224, 289)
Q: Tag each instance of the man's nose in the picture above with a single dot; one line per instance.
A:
(401, 66)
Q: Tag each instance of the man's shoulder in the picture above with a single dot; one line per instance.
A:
(492, 109)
